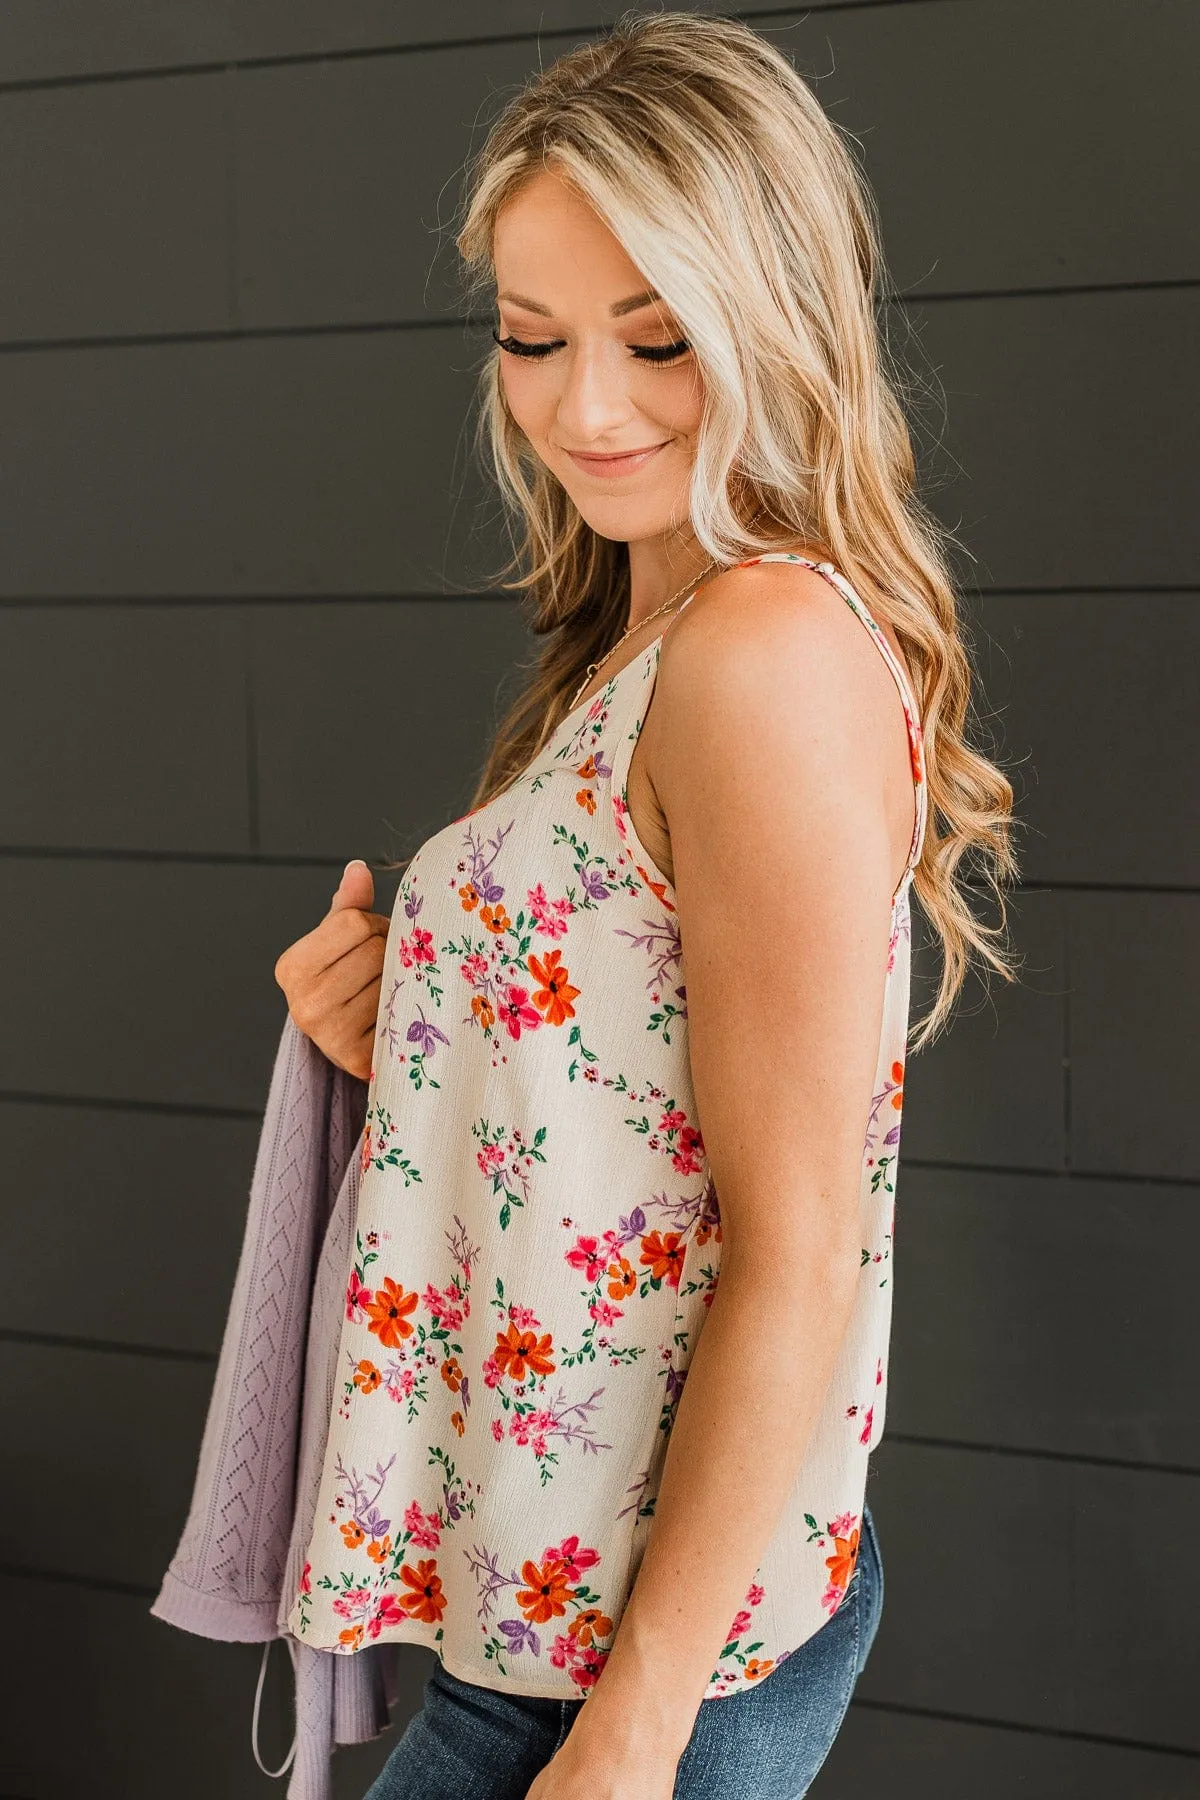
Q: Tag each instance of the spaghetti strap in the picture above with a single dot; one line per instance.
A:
(900, 675)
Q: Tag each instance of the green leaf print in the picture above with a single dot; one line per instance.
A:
(381, 1152)
(504, 1159)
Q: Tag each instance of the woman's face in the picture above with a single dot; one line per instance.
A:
(595, 372)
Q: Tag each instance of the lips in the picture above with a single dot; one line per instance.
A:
(621, 462)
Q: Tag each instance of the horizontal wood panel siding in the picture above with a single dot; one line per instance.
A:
(252, 621)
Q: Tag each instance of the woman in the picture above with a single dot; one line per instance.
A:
(614, 1353)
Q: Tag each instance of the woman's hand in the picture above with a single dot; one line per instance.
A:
(589, 1772)
(332, 975)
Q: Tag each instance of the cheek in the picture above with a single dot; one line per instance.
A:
(528, 395)
(674, 398)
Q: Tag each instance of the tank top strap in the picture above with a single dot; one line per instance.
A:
(900, 675)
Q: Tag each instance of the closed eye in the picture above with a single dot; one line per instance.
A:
(656, 353)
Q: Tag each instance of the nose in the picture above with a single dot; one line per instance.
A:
(594, 402)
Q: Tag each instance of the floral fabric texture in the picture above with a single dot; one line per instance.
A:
(539, 1240)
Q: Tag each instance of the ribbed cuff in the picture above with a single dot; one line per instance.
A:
(208, 1615)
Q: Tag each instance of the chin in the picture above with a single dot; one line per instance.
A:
(625, 518)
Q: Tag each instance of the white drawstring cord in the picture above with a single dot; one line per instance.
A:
(286, 1764)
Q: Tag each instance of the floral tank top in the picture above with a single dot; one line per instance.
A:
(539, 1241)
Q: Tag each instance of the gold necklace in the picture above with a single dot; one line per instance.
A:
(689, 586)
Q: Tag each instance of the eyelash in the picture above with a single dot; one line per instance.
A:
(653, 353)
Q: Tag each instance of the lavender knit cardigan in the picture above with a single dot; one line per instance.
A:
(235, 1573)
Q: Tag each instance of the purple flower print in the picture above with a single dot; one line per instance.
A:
(427, 1035)
(594, 885)
(520, 1636)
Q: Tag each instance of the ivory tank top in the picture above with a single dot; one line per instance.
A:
(539, 1240)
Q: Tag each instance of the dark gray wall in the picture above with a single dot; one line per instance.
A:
(238, 649)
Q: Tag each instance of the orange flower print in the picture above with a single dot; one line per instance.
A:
(547, 1593)
(351, 1637)
(555, 995)
(469, 895)
(663, 1250)
(589, 1625)
(379, 1549)
(353, 1534)
(622, 1279)
(518, 1352)
(484, 1011)
(452, 1373)
(425, 1599)
(458, 1422)
(495, 918)
(588, 770)
(657, 888)
(841, 1563)
(367, 1377)
(757, 1667)
(388, 1313)
(898, 1078)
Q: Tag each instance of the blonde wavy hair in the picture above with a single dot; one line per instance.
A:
(713, 164)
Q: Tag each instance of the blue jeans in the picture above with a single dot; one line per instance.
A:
(762, 1743)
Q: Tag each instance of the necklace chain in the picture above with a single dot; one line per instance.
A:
(592, 667)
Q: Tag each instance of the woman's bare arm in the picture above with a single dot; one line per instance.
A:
(779, 748)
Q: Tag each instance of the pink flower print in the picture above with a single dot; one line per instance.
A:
(755, 1593)
(490, 1158)
(586, 1671)
(399, 1382)
(562, 1651)
(424, 1528)
(475, 968)
(688, 1151)
(530, 1428)
(358, 1297)
(446, 1307)
(418, 948)
(587, 1255)
(573, 1559)
(878, 1370)
(353, 1603)
(497, 1428)
(605, 1313)
(740, 1624)
(619, 811)
(306, 1579)
(843, 1525)
(672, 1119)
(516, 1012)
(491, 1371)
(388, 1612)
(831, 1598)
(865, 1434)
(550, 916)
(524, 1318)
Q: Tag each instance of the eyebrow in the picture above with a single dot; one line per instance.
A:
(634, 303)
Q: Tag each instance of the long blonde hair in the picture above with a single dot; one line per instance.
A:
(714, 165)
